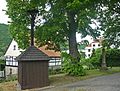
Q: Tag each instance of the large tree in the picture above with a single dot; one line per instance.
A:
(109, 18)
(58, 22)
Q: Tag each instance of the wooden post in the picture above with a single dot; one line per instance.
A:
(33, 14)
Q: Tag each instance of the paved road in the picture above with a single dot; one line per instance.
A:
(103, 83)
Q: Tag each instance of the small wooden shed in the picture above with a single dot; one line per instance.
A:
(33, 69)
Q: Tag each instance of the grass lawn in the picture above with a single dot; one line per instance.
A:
(8, 86)
(61, 79)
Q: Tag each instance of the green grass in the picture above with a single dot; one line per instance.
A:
(97, 72)
(62, 79)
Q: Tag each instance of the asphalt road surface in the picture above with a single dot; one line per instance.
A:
(102, 83)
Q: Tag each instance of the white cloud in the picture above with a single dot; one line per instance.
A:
(3, 17)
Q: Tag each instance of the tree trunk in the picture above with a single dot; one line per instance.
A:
(103, 63)
(73, 50)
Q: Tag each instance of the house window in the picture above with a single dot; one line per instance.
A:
(54, 62)
(88, 55)
(98, 44)
(10, 61)
(14, 47)
(89, 50)
(93, 45)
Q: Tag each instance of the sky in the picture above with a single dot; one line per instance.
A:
(3, 17)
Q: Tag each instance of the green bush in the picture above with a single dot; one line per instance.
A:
(87, 64)
(9, 78)
(55, 71)
(72, 66)
(2, 80)
(95, 59)
(113, 58)
(2, 65)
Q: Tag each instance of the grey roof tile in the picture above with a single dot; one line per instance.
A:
(32, 54)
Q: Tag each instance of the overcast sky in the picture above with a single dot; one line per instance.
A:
(3, 17)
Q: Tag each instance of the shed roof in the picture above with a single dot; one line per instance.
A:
(50, 53)
(32, 54)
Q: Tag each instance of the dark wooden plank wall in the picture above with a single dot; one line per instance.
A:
(20, 72)
(35, 74)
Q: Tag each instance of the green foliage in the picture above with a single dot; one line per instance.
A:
(83, 44)
(5, 38)
(109, 13)
(59, 18)
(113, 57)
(9, 78)
(2, 65)
(87, 64)
(95, 59)
(71, 66)
(55, 71)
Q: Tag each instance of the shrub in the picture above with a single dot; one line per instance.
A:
(2, 64)
(2, 80)
(55, 71)
(113, 57)
(71, 66)
(11, 78)
(95, 59)
(87, 64)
